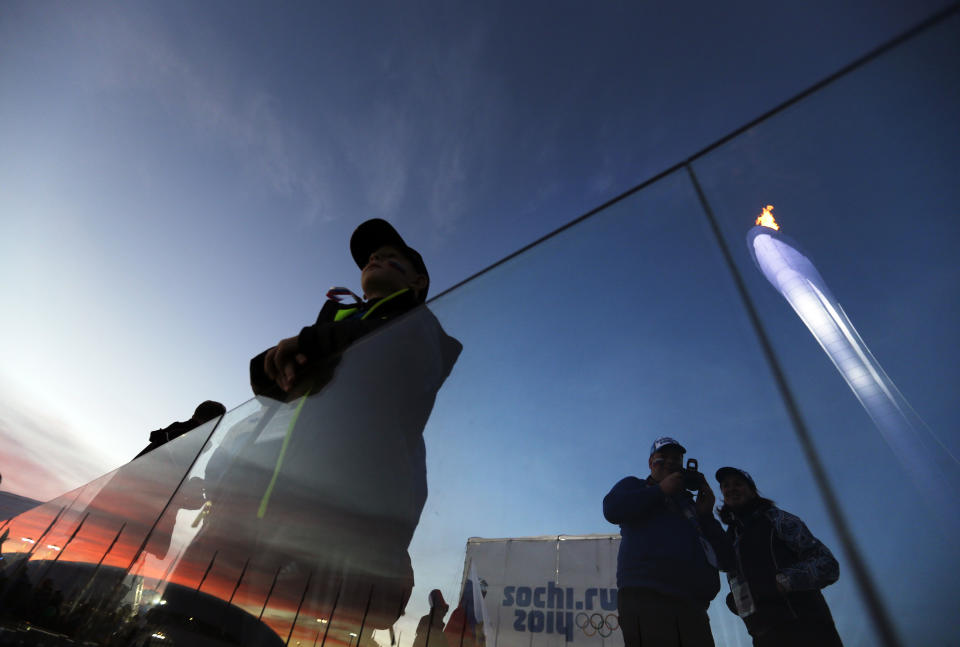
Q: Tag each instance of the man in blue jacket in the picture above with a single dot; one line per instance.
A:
(667, 566)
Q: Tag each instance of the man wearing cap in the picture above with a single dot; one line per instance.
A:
(336, 480)
(205, 411)
(394, 280)
(667, 565)
(778, 569)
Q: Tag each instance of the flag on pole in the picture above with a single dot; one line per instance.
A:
(478, 590)
(465, 628)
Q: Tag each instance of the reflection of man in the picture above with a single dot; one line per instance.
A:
(667, 565)
(205, 411)
(430, 629)
(394, 280)
(136, 494)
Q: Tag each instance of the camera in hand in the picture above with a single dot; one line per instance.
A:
(692, 478)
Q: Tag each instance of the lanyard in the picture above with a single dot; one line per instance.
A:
(337, 294)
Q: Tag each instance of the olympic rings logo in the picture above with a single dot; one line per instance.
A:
(595, 623)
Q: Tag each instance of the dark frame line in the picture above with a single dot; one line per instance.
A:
(861, 573)
(857, 63)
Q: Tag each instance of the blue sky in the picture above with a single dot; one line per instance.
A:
(175, 170)
(179, 183)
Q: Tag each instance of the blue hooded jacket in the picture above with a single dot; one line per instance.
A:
(663, 541)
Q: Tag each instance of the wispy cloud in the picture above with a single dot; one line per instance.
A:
(246, 119)
(413, 131)
(378, 143)
(447, 194)
(42, 456)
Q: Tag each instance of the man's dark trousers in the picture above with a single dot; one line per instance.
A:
(651, 619)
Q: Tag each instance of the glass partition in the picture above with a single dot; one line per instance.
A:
(64, 573)
(577, 355)
(456, 460)
(881, 237)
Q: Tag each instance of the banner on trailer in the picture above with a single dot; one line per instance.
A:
(555, 591)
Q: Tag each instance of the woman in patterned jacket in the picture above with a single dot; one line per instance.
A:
(779, 569)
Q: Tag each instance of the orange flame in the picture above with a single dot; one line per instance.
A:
(766, 218)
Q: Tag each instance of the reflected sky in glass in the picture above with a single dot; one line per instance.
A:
(577, 355)
(626, 327)
(879, 223)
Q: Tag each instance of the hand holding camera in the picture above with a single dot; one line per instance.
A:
(690, 478)
(695, 481)
(683, 479)
(672, 483)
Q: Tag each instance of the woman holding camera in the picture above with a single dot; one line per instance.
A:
(778, 571)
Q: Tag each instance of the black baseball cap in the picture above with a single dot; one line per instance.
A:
(374, 234)
(724, 472)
